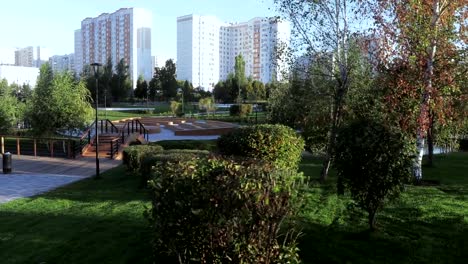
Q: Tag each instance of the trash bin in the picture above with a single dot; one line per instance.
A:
(7, 163)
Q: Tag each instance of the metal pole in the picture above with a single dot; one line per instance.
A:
(97, 132)
(96, 71)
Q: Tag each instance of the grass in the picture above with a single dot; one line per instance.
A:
(86, 222)
(102, 222)
(427, 225)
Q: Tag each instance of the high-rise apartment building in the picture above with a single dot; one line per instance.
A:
(31, 57)
(206, 48)
(62, 63)
(124, 34)
(198, 50)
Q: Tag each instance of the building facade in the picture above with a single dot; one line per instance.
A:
(62, 63)
(206, 49)
(198, 50)
(124, 34)
(19, 74)
(31, 56)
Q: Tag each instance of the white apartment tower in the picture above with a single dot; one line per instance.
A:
(257, 40)
(198, 50)
(124, 34)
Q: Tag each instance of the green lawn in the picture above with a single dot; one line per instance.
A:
(427, 225)
(86, 222)
(102, 222)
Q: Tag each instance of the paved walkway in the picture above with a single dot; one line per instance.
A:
(35, 175)
(167, 134)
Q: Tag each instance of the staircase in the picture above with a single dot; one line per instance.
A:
(109, 145)
(111, 138)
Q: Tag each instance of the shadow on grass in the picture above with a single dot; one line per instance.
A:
(115, 186)
(435, 241)
(406, 234)
(59, 238)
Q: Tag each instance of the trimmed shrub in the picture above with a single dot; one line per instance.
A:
(242, 111)
(188, 144)
(132, 155)
(277, 144)
(374, 162)
(148, 160)
(210, 210)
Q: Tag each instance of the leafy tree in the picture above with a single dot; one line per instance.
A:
(155, 89)
(121, 83)
(207, 104)
(187, 89)
(176, 108)
(105, 83)
(58, 102)
(11, 109)
(374, 161)
(239, 74)
(227, 91)
(168, 79)
(255, 91)
(323, 29)
(141, 90)
(417, 43)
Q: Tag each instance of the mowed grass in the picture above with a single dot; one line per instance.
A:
(428, 224)
(91, 221)
(101, 221)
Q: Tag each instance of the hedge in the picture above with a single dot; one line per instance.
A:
(277, 144)
(132, 155)
(212, 210)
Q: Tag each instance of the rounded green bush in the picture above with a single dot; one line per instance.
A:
(132, 155)
(277, 144)
(374, 162)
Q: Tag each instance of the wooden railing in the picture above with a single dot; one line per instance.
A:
(114, 147)
(131, 127)
(34, 146)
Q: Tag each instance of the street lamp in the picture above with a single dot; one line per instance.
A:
(96, 71)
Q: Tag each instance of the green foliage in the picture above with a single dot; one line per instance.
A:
(121, 83)
(133, 155)
(11, 110)
(141, 90)
(164, 81)
(207, 105)
(277, 144)
(176, 108)
(150, 159)
(374, 162)
(219, 211)
(58, 102)
(209, 145)
(242, 111)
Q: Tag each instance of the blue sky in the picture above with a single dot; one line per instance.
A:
(51, 23)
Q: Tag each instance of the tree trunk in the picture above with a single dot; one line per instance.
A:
(430, 143)
(371, 220)
(417, 166)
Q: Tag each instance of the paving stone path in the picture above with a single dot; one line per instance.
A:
(35, 175)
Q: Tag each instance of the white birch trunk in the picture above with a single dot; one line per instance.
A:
(417, 167)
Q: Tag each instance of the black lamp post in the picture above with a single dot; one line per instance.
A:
(96, 71)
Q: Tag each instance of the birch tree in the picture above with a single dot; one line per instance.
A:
(323, 28)
(421, 38)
